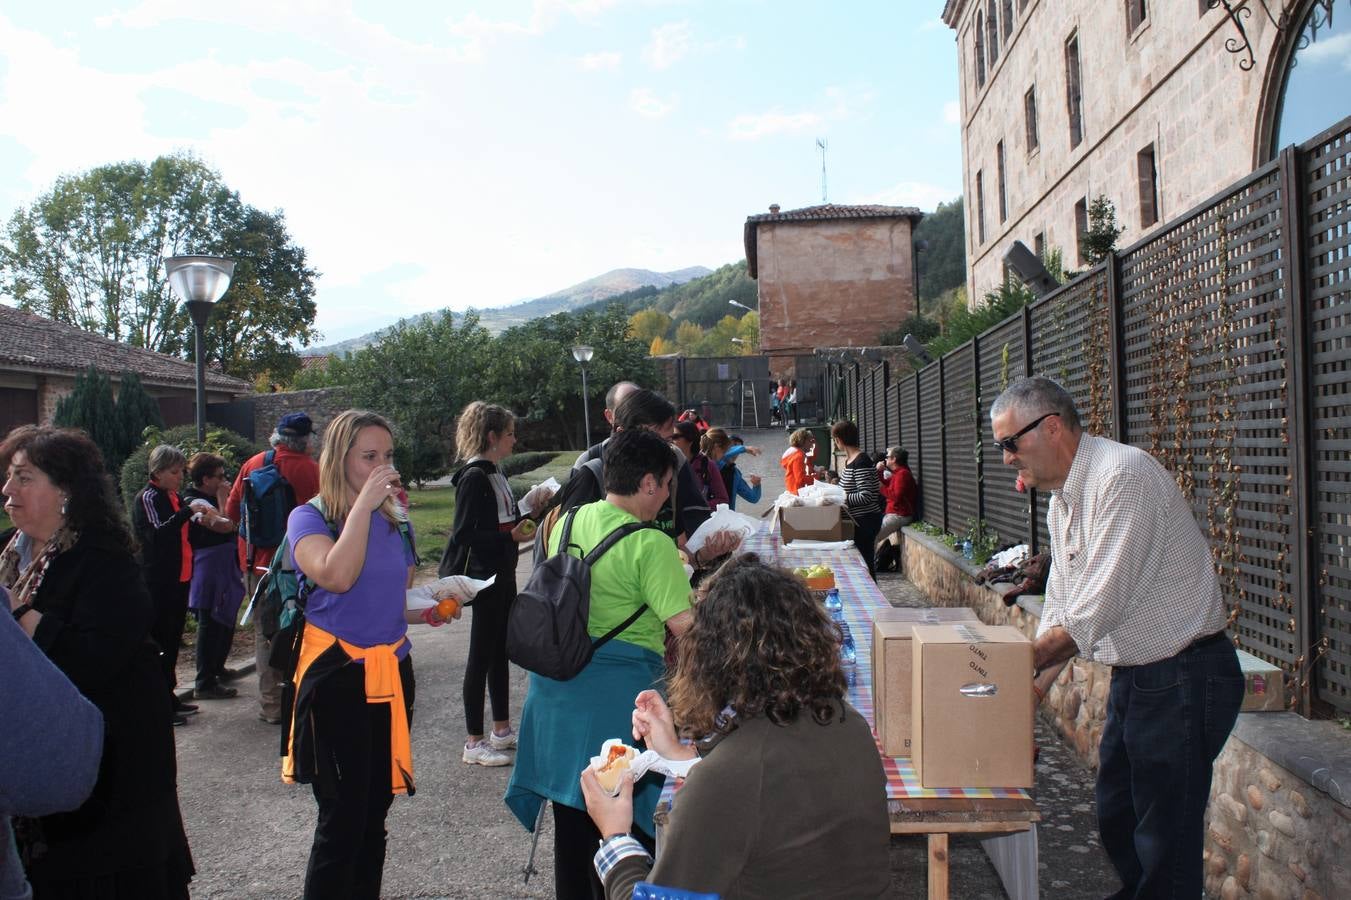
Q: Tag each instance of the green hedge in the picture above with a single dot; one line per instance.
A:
(519, 463)
(234, 447)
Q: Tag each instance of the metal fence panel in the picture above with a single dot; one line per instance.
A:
(963, 433)
(1001, 363)
(892, 404)
(931, 445)
(1327, 204)
(1206, 342)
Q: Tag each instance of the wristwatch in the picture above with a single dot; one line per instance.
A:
(21, 610)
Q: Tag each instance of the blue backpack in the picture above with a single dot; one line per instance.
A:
(268, 500)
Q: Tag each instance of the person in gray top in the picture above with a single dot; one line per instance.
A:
(789, 799)
(1132, 586)
(49, 724)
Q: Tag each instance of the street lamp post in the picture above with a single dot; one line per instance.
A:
(740, 306)
(582, 353)
(200, 281)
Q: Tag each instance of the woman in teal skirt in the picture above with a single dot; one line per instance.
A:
(564, 723)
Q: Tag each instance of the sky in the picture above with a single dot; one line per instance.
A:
(472, 154)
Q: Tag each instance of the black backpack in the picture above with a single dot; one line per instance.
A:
(268, 500)
(546, 628)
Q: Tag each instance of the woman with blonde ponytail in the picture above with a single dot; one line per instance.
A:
(483, 544)
(354, 677)
(712, 444)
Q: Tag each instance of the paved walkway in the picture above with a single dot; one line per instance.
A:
(250, 834)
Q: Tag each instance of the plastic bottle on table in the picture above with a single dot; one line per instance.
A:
(834, 606)
(848, 654)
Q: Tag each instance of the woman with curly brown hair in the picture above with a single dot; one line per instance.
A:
(76, 589)
(790, 798)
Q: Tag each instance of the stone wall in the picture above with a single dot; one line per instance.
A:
(320, 404)
(1271, 835)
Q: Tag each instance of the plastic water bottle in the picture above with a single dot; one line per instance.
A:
(834, 606)
(848, 655)
(966, 549)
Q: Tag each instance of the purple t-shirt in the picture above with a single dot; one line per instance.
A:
(372, 611)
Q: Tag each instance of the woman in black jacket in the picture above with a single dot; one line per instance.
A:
(75, 589)
(160, 520)
(483, 542)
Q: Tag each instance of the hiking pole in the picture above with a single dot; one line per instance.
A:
(534, 844)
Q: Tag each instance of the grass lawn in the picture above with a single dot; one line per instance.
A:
(432, 510)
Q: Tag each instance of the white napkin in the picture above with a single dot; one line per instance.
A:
(723, 519)
(804, 544)
(647, 761)
(461, 587)
(538, 494)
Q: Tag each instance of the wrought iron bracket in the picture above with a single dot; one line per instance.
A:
(1282, 21)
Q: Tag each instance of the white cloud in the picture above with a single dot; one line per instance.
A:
(932, 25)
(922, 194)
(669, 44)
(594, 62)
(753, 126)
(952, 112)
(1334, 49)
(646, 103)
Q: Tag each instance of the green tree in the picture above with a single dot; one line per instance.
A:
(942, 265)
(688, 337)
(646, 325)
(136, 410)
(717, 341)
(90, 253)
(89, 407)
(420, 375)
(533, 371)
(1103, 231)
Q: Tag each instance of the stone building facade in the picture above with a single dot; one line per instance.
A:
(830, 276)
(1139, 102)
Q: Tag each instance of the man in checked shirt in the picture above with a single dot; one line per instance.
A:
(1131, 586)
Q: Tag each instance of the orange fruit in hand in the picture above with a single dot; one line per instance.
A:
(447, 608)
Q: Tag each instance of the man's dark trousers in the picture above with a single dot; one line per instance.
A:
(1166, 723)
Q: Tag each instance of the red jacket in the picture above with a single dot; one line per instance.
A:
(899, 491)
(299, 469)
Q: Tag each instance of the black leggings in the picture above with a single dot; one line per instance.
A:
(352, 786)
(866, 527)
(576, 840)
(171, 612)
(487, 662)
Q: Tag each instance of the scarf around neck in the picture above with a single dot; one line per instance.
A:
(23, 581)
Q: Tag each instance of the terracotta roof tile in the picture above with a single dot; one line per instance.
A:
(31, 342)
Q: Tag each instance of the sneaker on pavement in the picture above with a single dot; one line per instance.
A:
(482, 754)
(501, 742)
(271, 720)
(215, 692)
(179, 720)
(184, 709)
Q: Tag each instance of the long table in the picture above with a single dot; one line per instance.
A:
(913, 809)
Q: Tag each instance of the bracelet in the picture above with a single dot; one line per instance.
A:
(22, 610)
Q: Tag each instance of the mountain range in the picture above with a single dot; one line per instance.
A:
(586, 293)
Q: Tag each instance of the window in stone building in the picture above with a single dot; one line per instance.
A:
(1030, 118)
(1074, 90)
(1136, 13)
(980, 207)
(1039, 244)
(1008, 20)
(1003, 187)
(1317, 73)
(1149, 186)
(979, 31)
(1081, 228)
(992, 31)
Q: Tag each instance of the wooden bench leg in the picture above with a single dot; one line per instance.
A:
(938, 866)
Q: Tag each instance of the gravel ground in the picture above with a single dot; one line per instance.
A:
(250, 833)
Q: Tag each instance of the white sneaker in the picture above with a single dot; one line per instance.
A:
(502, 742)
(482, 754)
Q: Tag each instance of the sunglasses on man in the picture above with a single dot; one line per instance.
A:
(1010, 443)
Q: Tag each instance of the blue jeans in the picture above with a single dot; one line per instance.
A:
(1166, 723)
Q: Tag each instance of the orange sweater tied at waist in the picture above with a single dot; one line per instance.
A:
(383, 685)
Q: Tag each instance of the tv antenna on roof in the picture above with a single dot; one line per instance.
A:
(822, 144)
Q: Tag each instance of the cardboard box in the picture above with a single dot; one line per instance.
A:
(1263, 684)
(973, 706)
(892, 681)
(814, 523)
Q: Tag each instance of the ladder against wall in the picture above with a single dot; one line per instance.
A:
(750, 404)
